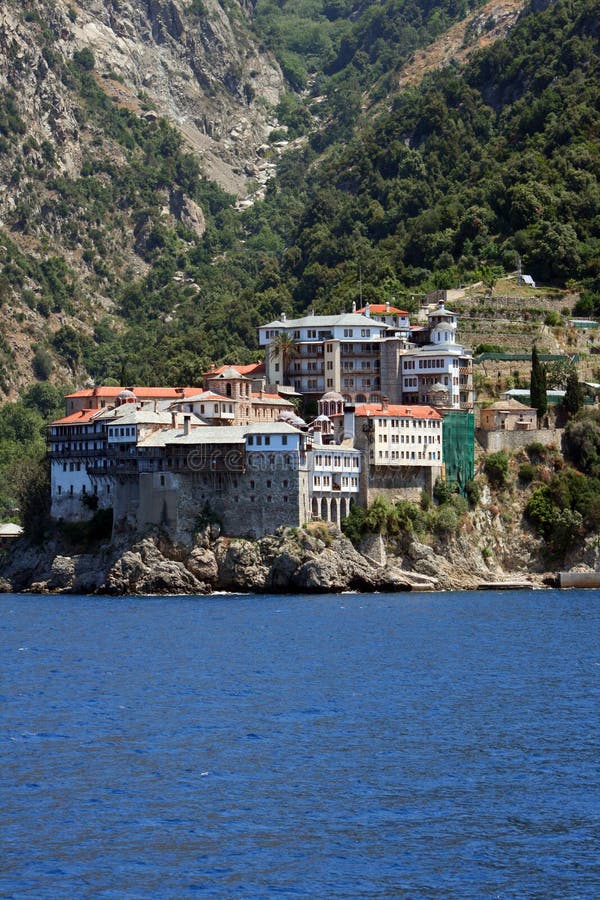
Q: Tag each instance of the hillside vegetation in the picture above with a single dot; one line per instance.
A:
(120, 260)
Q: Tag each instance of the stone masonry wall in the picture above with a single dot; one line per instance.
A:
(493, 441)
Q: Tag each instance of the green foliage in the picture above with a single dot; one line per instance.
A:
(527, 472)
(22, 448)
(553, 319)
(32, 491)
(84, 59)
(582, 442)
(564, 509)
(495, 467)
(42, 363)
(443, 490)
(46, 399)
(473, 492)
(573, 399)
(487, 348)
(538, 396)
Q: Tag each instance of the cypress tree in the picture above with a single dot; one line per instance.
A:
(539, 400)
(573, 400)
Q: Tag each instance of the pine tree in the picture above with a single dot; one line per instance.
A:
(539, 399)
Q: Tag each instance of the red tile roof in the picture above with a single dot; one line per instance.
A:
(77, 418)
(379, 309)
(411, 411)
(142, 393)
(257, 368)
(264, 396)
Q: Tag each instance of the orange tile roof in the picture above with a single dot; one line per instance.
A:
(264, 396)
(142, 393)
(256, 368)
(380, 309)
(393, 410)
(79, 418)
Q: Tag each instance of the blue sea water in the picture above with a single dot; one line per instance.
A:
(348, 746)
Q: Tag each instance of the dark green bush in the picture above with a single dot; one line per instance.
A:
(496, 468)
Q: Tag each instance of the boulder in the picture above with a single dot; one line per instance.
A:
(241, 567)
(202, 563)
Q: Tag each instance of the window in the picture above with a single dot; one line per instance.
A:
(284, 439)
(365, 332)
(250, 440)
(59, 490)
(267, 440)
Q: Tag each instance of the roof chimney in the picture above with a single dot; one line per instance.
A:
(387, 305)
(354, 306)
(368, 309)
(385, 402)
(283, 317)
(174, 419)
(186, 424)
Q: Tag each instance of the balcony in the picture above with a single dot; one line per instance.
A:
(67, 453)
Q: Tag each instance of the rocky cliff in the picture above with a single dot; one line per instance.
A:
(193, 63)
(307, 560)
(84, 89)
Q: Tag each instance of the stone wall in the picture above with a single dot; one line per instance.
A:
(401, 482)
(493, 441)
(268, 495)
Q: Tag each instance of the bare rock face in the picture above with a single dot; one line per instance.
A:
(144, 570)
(197, 66)
(241, 567)
(202, 563)
(188, 213)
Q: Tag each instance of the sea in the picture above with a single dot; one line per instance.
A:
(434, 745)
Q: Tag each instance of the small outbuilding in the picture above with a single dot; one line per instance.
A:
(508, 415)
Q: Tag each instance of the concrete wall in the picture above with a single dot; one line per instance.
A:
(493, 441)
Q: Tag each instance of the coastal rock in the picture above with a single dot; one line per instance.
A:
(241, 567)
(202, 563)
(62, 574)
(144, 570)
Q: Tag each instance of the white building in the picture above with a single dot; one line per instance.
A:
(367, 356)
(334, 480)
(339, 353)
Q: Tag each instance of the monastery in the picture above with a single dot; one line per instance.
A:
(235, 448)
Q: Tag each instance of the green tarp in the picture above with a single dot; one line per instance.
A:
(458, 433)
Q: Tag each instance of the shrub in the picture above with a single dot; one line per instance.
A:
(496, 468)
(536, 450)
(84, 59)
(553, 319)
(446, 520)
(443, 490)
(473, 492)
(527, 472)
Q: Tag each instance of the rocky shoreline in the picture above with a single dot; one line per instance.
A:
(316, 559)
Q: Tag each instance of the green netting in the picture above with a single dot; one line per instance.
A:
(458, 433)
